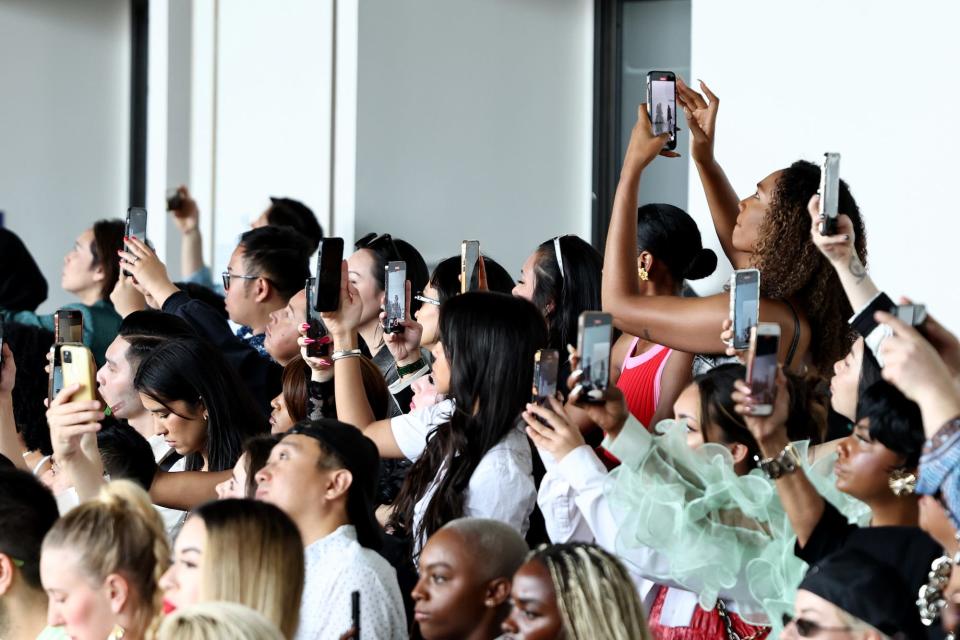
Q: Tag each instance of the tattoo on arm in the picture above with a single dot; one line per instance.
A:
(856, 268)
(646, 335)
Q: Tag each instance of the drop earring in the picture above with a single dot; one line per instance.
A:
(644, 275)
(117, 633)
(902, 482)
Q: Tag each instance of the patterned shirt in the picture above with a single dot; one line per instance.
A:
(246, 334)
(336, 566)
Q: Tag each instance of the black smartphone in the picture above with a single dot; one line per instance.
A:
(67, 326)
(546, 364)
(174, 201)
(744, 305)
(912, 314)
(136, 227)
(469, 262)
(326, 294)
(395, 297)
(593, 343)
(662, 104)
(317, 329)
(829, 193)
(762, 366)
(355, 613)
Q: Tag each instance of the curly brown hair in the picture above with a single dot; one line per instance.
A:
(794, 268)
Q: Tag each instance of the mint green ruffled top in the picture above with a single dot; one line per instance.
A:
(715, 528)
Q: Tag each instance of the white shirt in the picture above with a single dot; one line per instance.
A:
(173, 519)
(575, 508)
(501, 486)
(335, 567)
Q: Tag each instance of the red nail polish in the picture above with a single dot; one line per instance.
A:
(326, 340)
(308, 341)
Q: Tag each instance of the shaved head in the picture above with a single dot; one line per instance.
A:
(500, 545)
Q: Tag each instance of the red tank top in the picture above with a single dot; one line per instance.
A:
(705, 625)
(640, 380)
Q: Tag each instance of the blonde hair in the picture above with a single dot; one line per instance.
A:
(595, 596)
(119, 532)
(217, 621)
(253, 556)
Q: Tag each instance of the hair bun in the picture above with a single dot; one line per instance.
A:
(703, 264)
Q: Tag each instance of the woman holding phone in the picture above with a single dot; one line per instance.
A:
(768, 230)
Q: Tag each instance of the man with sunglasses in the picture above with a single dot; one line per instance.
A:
(27, 511)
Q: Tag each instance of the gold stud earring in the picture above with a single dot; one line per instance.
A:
(644, 275)
(117, 633)
(902, 482)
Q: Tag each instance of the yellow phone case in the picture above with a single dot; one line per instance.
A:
(76, 362)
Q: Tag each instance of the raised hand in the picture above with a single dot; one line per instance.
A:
(73, 425)
(644, 146)
(701, 118)
(404, 346)
(770, 431)
(558, 436)
(838, 248)
(187, 215)
(126, 297)
(726, 335)
(150, 273)
(321, 368)
(609, 416)
(343, 323)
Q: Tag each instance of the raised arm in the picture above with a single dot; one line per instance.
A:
(686, 324)
(73, 434)
(187, 218)
(722, 200)
(839, 250)
(352, 404)
(804, 506)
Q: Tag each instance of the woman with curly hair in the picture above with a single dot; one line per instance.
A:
(769, 230)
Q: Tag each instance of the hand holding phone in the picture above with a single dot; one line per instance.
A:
(546, 365)
(136, 227)
(744, 305)
(662, 104)
(67, 326)
(322, 345)
(326, 293)
(762, 367)
(395, 297)
(829, 193)
(594, 342)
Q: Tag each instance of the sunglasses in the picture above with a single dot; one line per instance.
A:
(226, 275)
(426, 299)
(809, 628)
(372, 241)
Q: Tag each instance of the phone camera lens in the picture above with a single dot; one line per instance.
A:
(67, 356)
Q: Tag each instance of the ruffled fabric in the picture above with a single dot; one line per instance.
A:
(715, 528)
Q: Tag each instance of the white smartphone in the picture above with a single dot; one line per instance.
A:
(593, 343)
(744, 305)
(762, 366)
(829, 193)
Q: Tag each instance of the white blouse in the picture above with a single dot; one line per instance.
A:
(501, 486)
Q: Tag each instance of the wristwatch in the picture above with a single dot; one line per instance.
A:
(784, 463)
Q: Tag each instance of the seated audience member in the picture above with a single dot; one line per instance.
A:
(852, 594)
(367, 274)
(769, 231)
(242, 483)
(100, 565)
(465, 573)
(282, 212)
(268, 270)
(323, 475)
(467, 462)
(876, 464)
(89, 273)
(562, 279)
(217, 621)
(27, 511)
(240, 551)
(574, 592)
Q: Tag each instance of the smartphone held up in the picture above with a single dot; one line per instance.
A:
(762, 367)
(546, 366)
(662, 104)
(744, 305)
(136, 227)
(829, 193)
(395, 297)
(593, 344)
(469, 263)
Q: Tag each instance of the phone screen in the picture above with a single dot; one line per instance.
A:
(829, 193)
(763, 369)
(746, 312)
(329, 259)
(663, 104)
(137, 223)
(317, 329)
(469, 259)
(395, 297)
(545, 369)
(68, 326)
(595, 353)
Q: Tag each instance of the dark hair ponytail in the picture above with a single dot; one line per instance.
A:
(489, 340)
(672, 237)
(575, 290)
(107, 240)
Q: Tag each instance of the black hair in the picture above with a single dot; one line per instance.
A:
(895, 421)
(107, 240)
(287, 212)
(386, 248)
(258, 450)
(27, 511)
(672, 237)
(279, 254)
(489, 340)
(30, 346)
(125, 453)
(6, 463)
(22, 285)
(193, 371)
(446, 278)
(147, 329)
(870, 371)
(806, 421)
(572, 292)
(205, 294)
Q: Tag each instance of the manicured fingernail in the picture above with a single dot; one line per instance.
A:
(325, 340)
(326, 362)
(308, 341)
(305, 326)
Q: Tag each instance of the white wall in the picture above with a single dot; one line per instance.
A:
(475, 122)
(875, 81)
(64, 122)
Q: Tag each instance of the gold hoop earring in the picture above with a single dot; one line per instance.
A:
(644, 275)
(902, 482)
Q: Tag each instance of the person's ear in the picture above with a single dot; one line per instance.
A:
(498, 592)
(645, 260)
(6, 573)
(339, 484)
(99, 274)
(263, 291)
(118, 591)
(739, 451)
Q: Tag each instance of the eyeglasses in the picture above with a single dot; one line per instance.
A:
(809, 628)
(227, 275)
(372, 241)
(426, 299)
